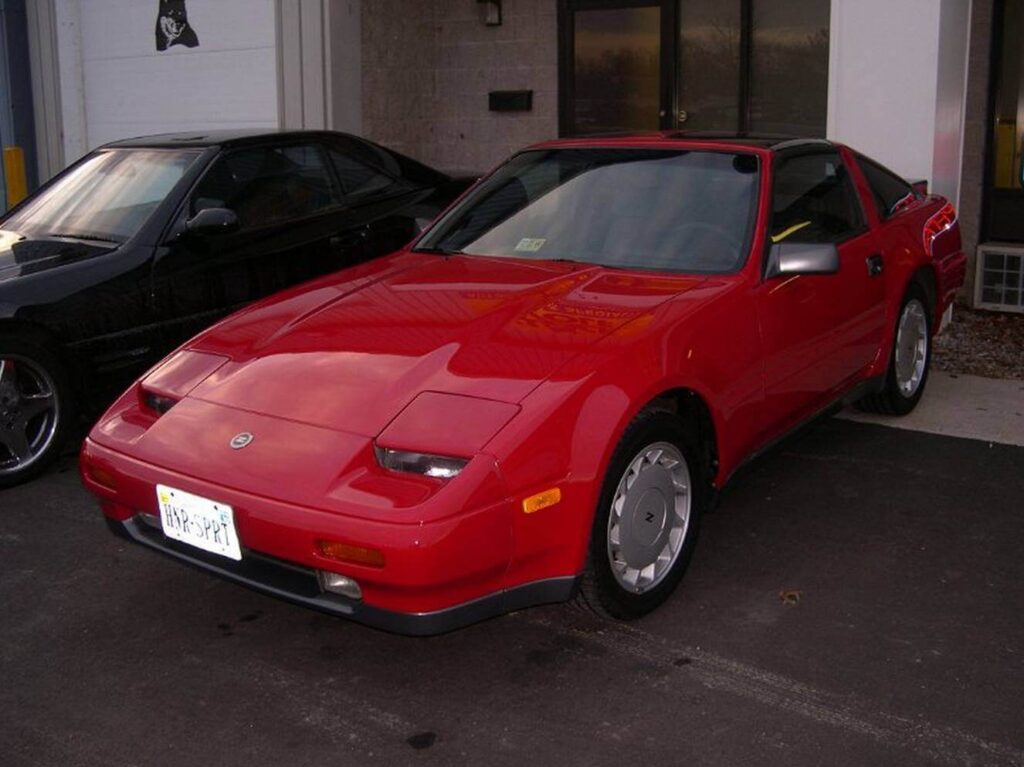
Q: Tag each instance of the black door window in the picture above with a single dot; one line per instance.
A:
(358, 177)
(268, 185)
(814, 200)
(891, 192)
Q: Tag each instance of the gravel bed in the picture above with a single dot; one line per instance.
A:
(980, 343)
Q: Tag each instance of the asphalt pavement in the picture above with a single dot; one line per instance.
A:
(857, 599)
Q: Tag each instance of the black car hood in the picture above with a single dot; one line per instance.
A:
(22, 254)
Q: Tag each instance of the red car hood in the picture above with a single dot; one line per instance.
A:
(350, 352)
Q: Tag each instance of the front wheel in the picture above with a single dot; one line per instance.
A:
(34, 409)
(909, 361)
(646, 523)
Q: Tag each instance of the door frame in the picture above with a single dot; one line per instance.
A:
(566, 61)
(987, 223)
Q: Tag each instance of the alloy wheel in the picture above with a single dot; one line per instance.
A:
(911, 348)
(29, 413)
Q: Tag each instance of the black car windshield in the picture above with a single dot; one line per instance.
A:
(107, 197)
(667, 210)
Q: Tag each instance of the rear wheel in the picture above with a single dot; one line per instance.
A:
(646, 523)
(909, 361)
(34, 408)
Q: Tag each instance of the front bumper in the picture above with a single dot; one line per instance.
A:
(438, 574)
(299, 584)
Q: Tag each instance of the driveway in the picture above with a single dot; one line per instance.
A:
(858, 598)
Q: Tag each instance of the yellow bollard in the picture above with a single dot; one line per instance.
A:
(14, 172)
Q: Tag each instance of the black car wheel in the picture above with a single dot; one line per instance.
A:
(35, 408)
(647, 518)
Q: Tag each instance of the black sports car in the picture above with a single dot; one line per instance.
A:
(142, 243)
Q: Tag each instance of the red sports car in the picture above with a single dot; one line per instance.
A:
(540, 397)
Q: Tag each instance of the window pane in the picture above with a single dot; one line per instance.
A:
(358, 178)
(634, 208)
(814, 201)
(1009, 101)
(709, 64)
(889, 190)
(617, 70)
(789, 67)
(265, 186)
(108, 196)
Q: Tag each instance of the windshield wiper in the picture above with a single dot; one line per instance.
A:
(441, 251)
(577, 262)
(86, 237)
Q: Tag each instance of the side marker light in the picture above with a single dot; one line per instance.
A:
(543, 500)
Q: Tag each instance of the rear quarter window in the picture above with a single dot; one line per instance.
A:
(890, 192)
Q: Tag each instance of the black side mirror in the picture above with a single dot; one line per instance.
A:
(212, 221)
(792, 258)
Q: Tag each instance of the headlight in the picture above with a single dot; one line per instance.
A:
(170, 381)
(438, 466)
(156, 402)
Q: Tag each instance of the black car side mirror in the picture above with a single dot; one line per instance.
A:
(212, 221)
(792, 258)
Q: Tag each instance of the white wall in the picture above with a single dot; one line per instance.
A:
(115, 84)
(896, 70)
(320, 60)
(951, 94)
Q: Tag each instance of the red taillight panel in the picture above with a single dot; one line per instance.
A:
(940, 222)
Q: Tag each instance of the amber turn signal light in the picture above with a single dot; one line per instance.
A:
(346, 552)
(542, 500)
(101, 477)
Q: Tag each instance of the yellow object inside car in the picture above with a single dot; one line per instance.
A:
(791, 230)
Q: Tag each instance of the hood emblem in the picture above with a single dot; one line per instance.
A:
(240, 440)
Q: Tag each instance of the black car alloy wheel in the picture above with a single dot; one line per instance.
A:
(31, 412)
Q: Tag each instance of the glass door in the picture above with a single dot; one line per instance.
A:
(753, 66)
(1004, 192)
(710, 63)
(616, 65)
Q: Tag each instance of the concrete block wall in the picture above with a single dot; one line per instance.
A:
(428, 66)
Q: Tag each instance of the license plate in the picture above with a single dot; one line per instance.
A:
(198, 521)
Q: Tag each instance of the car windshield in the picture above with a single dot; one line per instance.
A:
(667, 210)
(107, 197)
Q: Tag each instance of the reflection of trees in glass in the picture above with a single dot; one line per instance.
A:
(789, 81)
(617, 67)
(709, 63)
(617, 90)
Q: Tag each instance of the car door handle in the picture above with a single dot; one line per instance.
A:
(875, 265)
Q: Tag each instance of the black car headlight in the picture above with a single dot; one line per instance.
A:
(437, 466)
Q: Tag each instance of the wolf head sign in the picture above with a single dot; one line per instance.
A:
(172, 27)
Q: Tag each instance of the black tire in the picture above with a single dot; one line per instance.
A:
(600, 590)
(39, 362)
(891, 400)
